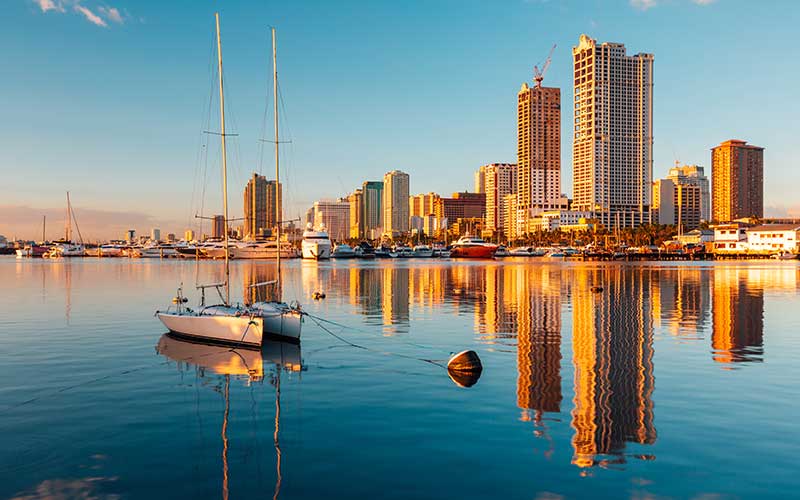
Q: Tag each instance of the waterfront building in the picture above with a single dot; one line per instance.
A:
(554, 220)
(218, 226)
(538, 147)
(737, 172)
(356, 201)
(500, 179)
(677, 203)
(694, 175)
(423, 204)
(261, 198)
(613, 133)
(155, 234)
(335, 215)
(395, 203)
(774, 238)
(188, 235)
(130, 235)
(730, 238)
(480, 180)
(372, 209)
(461, 206)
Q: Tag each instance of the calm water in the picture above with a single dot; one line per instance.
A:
(676, 381)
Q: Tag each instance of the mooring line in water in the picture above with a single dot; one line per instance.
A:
(348, 327)
(319, 321)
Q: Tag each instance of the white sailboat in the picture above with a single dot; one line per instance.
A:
(245, 325)
(66, 247)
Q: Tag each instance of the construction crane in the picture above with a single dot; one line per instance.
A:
(538, 74)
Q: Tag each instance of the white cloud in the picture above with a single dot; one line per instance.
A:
(90, 16)
(643, 4)
(111, 14)
(704, 2)
(46, 5)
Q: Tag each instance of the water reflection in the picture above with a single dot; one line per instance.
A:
(738, 317)
(238, 364)
(612, 342)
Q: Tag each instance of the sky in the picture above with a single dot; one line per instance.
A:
(110, 99)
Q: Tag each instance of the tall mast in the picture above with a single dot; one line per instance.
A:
(68, 222)
(224, 165)
(278, 194)
(44, 227)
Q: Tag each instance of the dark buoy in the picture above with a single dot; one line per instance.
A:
(465, 368)
(597, 289)
(317, 295)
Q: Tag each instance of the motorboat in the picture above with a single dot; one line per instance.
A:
(225, 322)
(316, 243)
(423, 251)
(65, 249)
(556, 254)
(472, 247)
(784, 256)
(263, 250)
(155, 251)
(32, 251)
(384, 252)
(522, 252)
(343, 251)
(364, 251)
(440, 251)
(403, 251)
(501, 251)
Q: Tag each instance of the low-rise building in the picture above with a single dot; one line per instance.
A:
(730, 238)
(774, 238)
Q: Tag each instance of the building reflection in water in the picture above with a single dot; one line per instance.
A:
(681, 301)
(738, 317)
(612, 343)
(253, 273)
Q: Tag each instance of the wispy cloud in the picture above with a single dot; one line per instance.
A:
(643, 4)
(112, 14)
(46, 5)
(99, 15)
(90, 16)
(704, 2)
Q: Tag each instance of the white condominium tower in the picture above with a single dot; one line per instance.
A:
(395, 203)
(500, 180)
(613, 135)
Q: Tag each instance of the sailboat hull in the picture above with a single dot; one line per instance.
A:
(280, 321)
(231, 330)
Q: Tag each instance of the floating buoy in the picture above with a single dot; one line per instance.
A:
(465, 368)
(597, 289)
(318, 295)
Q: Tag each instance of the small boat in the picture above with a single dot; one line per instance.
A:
(556, 254)
(32, 251)
(343, 251)
(423, 251)
(384, 252)
(501, 251)
(364, 251)
(783, 256)
(316, 243)
(263, 250)
(403, 251)
(522, 252)
(472, 247)
(155, 252)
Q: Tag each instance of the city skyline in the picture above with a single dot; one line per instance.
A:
(133, 158)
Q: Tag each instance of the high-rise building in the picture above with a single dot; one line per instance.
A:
(538, 147)
(613, 133)
(395, 202)
(422, 204)
(335, 215)
(480, 180)
(694, 175)
(500, 180)
(155, 234)
(218, 226)
(737, 172)
(188, 235)
(372, 208)
(260, 199)
(510, 220)
(675, 203)
(356, 201)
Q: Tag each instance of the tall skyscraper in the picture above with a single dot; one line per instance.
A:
(218, 226)
(155, 234)
(500, 180)
(356, 201)
(395, 202)
(480, 180)
(372, 208)
(737, 174)
(613, 133)
(260, 199)
(538, 147)
(694, 175)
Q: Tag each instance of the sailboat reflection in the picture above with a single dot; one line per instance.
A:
(241, 364)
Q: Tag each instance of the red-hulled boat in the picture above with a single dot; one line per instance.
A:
(472, 247)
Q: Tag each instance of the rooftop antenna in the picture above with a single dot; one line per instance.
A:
(538, 74)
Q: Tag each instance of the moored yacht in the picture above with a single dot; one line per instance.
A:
(423, 251)
(343, 251)
(472, 247)
(316, 243)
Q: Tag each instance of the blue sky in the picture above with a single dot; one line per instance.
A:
(108, 98)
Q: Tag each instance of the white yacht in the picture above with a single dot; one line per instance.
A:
(423, 251)
(316, 243)
(263, 250)
(343, 251)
